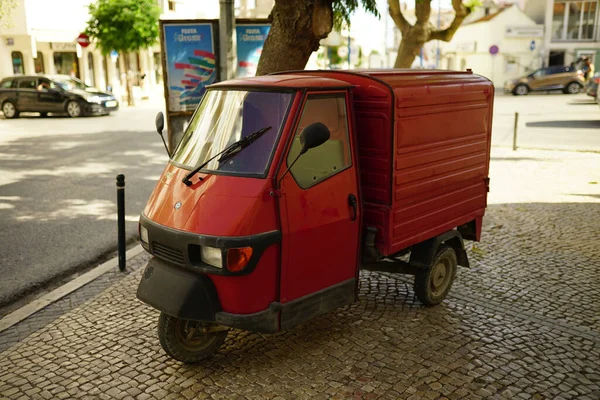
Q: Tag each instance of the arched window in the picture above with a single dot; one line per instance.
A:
(17, 62)
(90, 70)
(39, 63)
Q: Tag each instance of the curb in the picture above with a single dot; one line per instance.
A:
(26, 311)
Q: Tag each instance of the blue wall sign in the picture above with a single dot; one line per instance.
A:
(191, 63)
(250, 42)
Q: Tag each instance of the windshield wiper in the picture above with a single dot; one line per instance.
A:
(227, 153)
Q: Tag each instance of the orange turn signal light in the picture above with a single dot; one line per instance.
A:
(237, 259)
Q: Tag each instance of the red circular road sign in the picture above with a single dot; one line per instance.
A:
(83, 40)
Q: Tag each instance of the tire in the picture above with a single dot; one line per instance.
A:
(521, 90)
(43, 114)
(173, 332)
(572, 88)
(433, 284)
(9, 110)
(74, 109)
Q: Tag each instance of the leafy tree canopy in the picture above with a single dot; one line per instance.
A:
(343, 9)
(123, 25)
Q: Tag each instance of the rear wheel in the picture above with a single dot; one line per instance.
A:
(572, 88)
(521, 90)
(189, 341)
(74, 109)
(433, 284)
(9, 110)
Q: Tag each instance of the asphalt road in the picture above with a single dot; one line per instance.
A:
(57, 178)
(547, 121)
(58, 191)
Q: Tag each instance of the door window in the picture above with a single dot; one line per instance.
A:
(27, 84)
(331, 157)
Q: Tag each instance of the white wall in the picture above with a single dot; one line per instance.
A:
(492, 32)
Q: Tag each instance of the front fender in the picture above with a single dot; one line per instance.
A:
(178, 292)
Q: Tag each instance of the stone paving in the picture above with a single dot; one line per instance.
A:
(523, 322)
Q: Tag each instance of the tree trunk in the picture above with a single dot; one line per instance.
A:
(411, 45)
(296, 30)
(128, 80)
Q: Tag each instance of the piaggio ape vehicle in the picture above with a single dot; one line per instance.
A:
(284, 186)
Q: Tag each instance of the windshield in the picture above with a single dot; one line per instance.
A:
(70, 83)
(226, 116)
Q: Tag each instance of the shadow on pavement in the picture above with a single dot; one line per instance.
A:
(584, 124)
(519, 159)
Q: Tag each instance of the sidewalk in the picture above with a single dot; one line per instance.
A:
(523, 322)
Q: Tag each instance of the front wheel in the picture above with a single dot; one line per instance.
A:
(9, 110)
(521, 90)
(189, 341)
(74, 109)
(573, 88)
(433, 284)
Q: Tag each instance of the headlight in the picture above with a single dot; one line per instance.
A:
(144, 234)
(212, 256)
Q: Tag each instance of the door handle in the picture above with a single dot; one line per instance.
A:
(352, 203)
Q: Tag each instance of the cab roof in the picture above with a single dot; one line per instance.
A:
(292, 80)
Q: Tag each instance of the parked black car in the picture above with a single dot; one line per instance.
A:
(53, 94)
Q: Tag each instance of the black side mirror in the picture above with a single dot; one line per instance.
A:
(313, 136)
(159, 122)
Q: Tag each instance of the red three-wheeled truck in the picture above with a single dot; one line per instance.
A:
(285, 186)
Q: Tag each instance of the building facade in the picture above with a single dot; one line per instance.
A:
(572, 29)
(499, 43)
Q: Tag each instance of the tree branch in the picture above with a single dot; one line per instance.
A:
(397, 17)
(460, 14)
(422, 11)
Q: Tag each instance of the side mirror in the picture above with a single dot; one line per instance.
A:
(159, 122)
(313, 136)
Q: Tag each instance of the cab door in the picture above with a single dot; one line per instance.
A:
(320, 215)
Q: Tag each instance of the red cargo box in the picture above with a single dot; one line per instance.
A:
(424, 149)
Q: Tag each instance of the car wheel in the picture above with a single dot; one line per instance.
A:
(521, 90)
(9, 110)
(74, 109)
(43, 114)
(572, 88)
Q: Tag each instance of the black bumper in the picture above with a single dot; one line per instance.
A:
(186, 295)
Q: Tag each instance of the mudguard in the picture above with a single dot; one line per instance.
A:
(422, 254)
(178, 292)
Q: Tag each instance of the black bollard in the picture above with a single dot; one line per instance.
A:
(121, 219)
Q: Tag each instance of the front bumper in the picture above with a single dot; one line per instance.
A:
(186, 295)
(509, 87)
(103, 107)
(184, 248)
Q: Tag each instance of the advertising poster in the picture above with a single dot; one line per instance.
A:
(250, 41)
(190, 55)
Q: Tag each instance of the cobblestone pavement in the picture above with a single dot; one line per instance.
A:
(523, 322)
